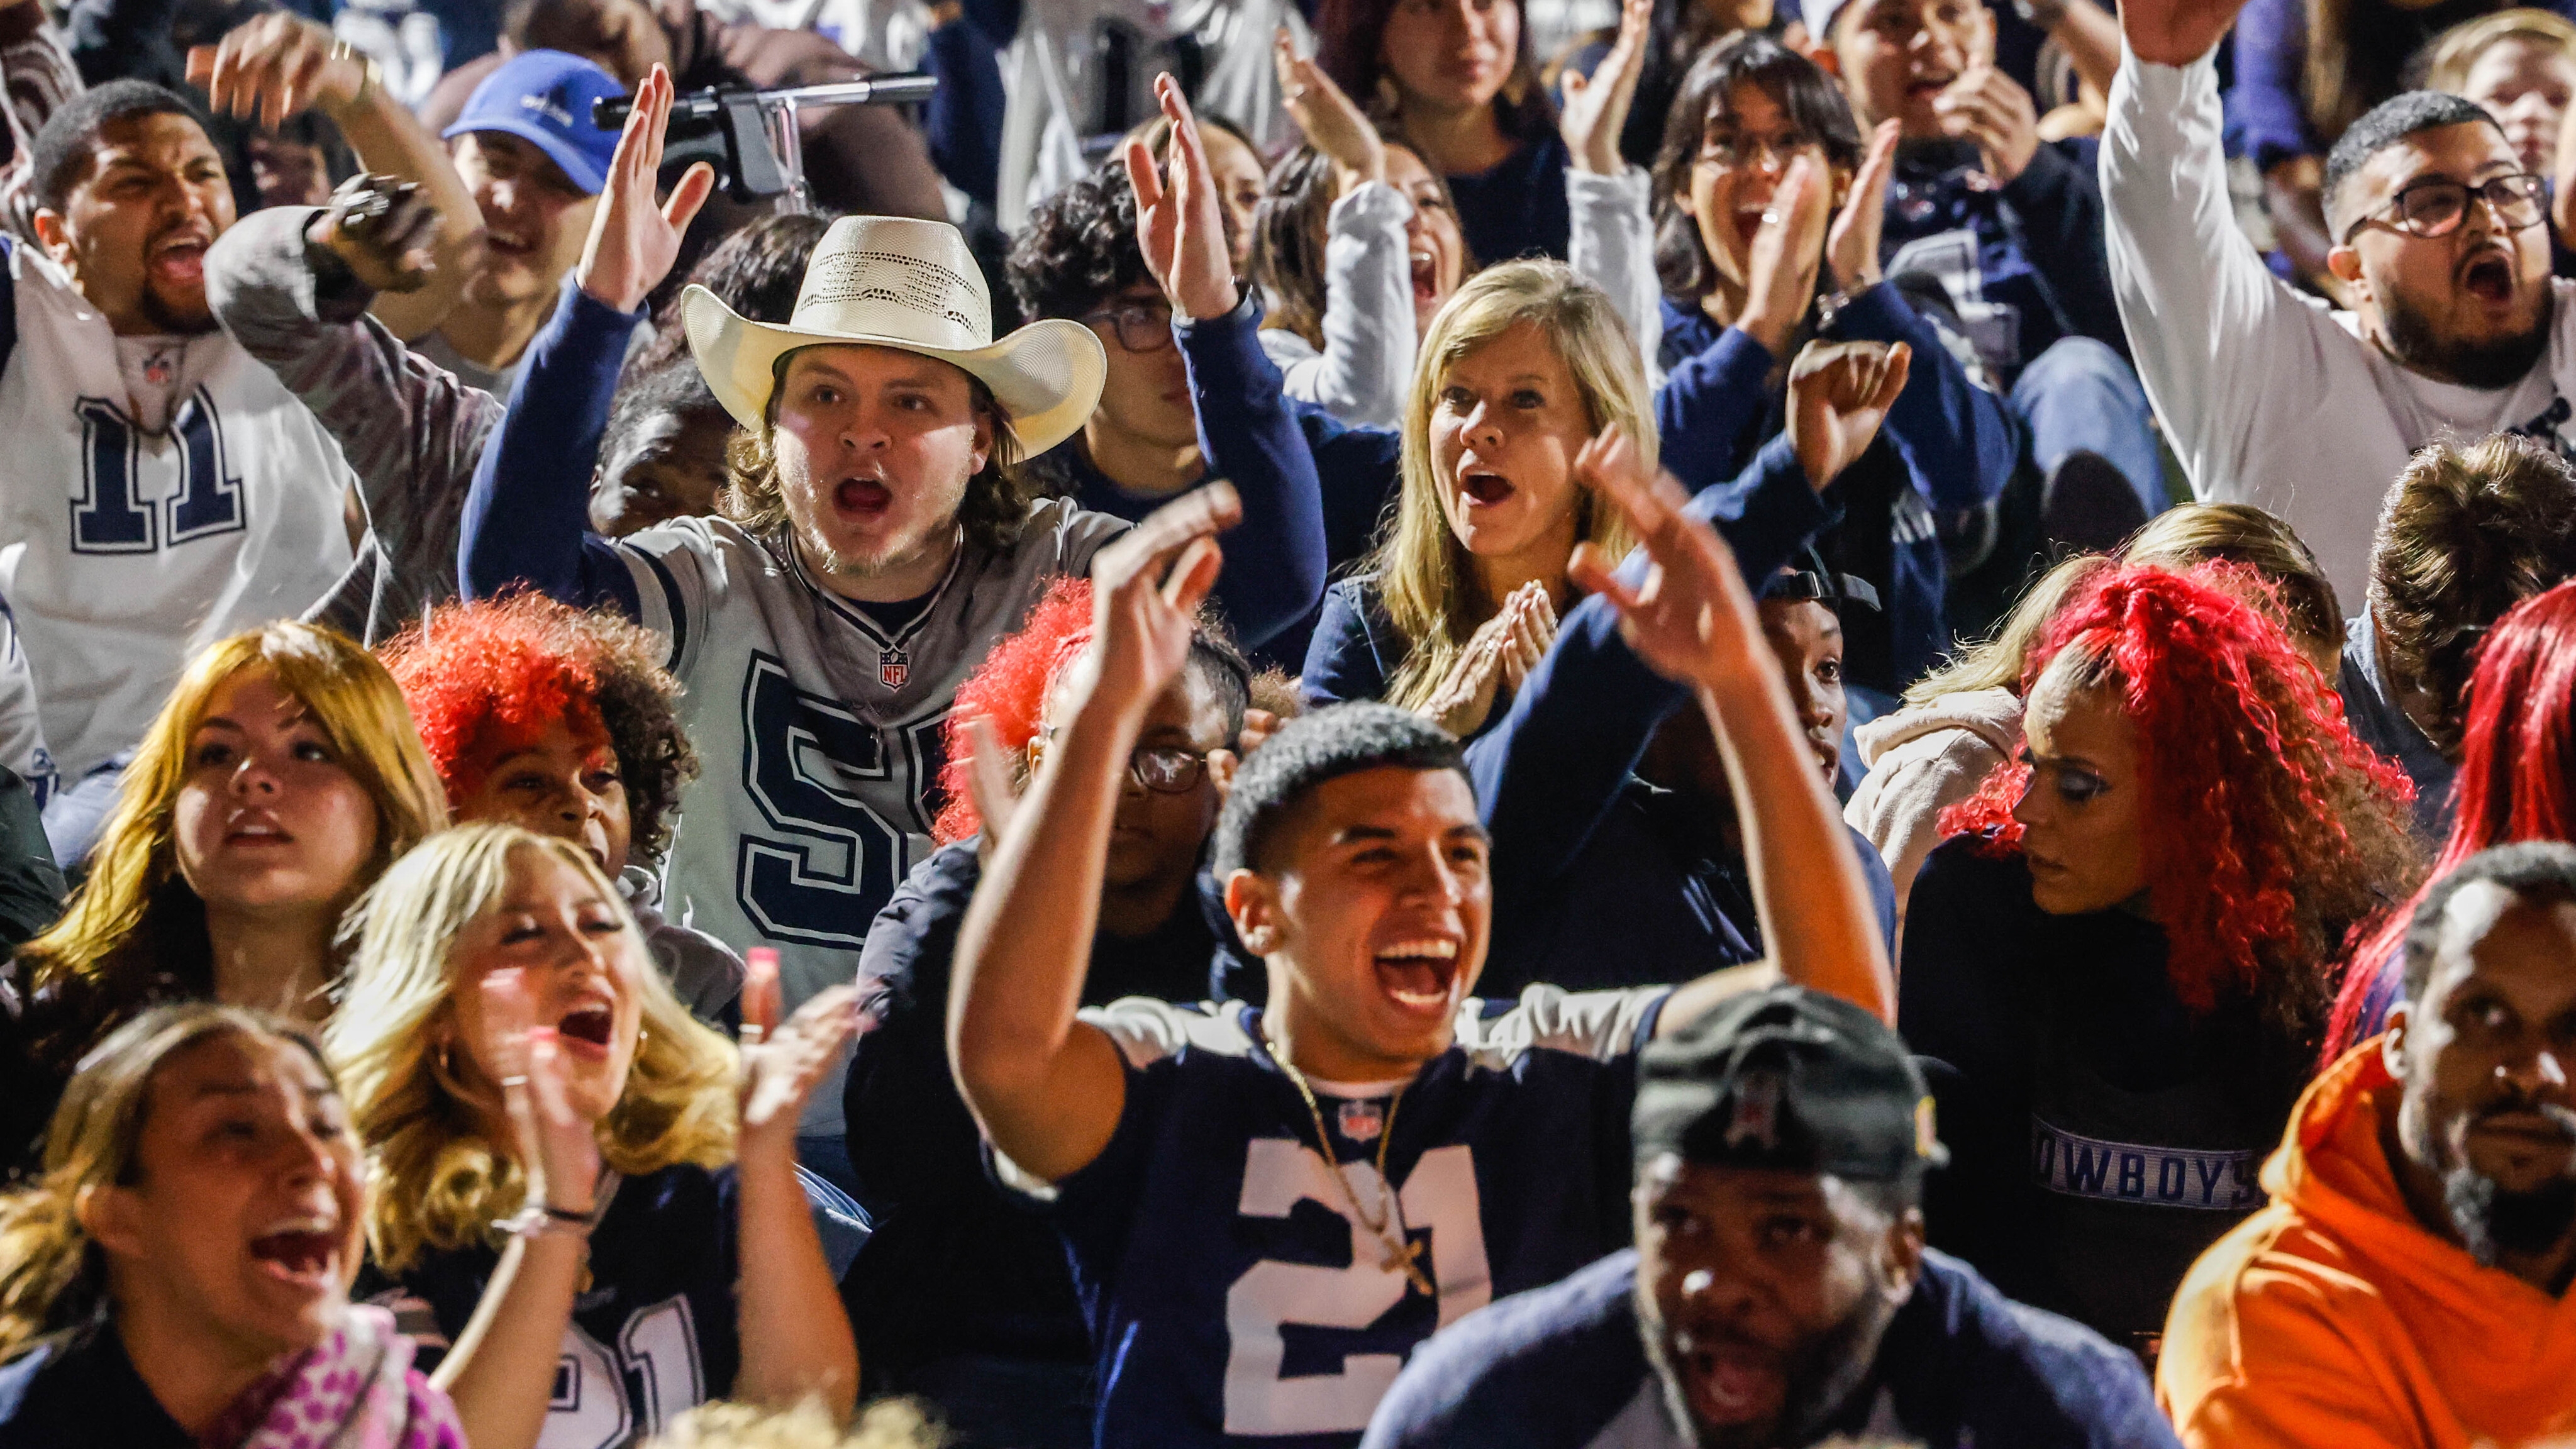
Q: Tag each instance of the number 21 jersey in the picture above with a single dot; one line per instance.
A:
(1238, 1295)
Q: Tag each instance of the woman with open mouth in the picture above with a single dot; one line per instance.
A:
(563, 721)
(278, 781)
(179, 1276)
(573, 1176)
(2119, 961)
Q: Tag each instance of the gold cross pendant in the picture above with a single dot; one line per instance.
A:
(1406, 1260)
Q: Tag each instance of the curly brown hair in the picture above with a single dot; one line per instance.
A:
(483, 677)
(2465, 534)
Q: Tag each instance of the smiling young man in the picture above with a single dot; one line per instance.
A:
(2270, 399)
(163, 489)
(1780, 1294)
(1268, 1208)
(2407, 1288)
(871, 549)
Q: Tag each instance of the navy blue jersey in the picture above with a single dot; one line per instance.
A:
(652, 1335)
(83, 1392)
(1234, 1296)
(1960, 1366)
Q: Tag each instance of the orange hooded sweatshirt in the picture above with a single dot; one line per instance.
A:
(2331, 1319)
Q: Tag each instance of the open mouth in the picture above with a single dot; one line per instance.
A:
(180, 260)
(1732, 1383)
(864, 496)
(256, 832)
(1485, 489)
(2488, 277)
(1748, 221)
(1417, 974)
(509, 244)
(1924, 88)
(587, 1027)
(1426, 275)
(307, 1255)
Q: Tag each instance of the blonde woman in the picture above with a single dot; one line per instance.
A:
(279, 780)
(177, 1278)
(572, 1176)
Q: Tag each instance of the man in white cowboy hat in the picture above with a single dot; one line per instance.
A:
(871, 549)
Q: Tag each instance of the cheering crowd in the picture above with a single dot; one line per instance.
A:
(1360, 725)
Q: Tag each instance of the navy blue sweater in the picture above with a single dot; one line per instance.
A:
(1948, 445)
(1959, 1364)
(527, 513)
(2025, 264)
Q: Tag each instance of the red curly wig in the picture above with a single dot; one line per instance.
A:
(1008, 691)
(486, 678)
(2517, 769)
(2269, 828)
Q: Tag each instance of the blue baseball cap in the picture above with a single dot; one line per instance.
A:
(543, 97)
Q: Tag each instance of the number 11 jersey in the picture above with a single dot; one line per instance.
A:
(1238, 1295)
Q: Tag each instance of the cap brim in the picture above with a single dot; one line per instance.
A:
(583, 172)
(1046, 376)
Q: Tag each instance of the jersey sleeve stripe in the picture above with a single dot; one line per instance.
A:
(679, 610)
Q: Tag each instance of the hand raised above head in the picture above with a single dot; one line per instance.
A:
(273, 66)
(1597, 105)
(1179, 226)
(2176, 32)
(1332, 123)
(633, 241)
(1146, 589)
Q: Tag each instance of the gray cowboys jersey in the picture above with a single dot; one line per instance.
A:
(818, 729)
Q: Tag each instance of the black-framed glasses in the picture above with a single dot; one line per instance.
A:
(2436, 207)
(1138, 326)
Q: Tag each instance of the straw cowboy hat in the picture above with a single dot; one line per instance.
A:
(883, 281)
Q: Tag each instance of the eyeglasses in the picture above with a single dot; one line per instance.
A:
(1732, 151)
(1139, 328)
(2436, 207)
(1163, 769)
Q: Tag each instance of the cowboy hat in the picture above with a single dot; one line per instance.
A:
(885, 281)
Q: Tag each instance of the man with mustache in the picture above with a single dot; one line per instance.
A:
(2407, 1286)
(2270, 397)
(1779, 1293)
(163, 490)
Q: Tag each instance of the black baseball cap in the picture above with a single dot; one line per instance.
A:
(1792, 1079)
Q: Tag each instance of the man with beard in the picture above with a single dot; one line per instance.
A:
(2407, 1286)
(2268, 396)
(1779, 1293)
(162, 489)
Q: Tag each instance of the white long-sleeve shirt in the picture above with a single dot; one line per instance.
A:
(1366, 363)
(2271, 397)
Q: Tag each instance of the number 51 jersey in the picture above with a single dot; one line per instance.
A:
(1239, 1296)
(124, 551)
(818, 728)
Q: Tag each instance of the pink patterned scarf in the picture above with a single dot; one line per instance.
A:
(354, 1390)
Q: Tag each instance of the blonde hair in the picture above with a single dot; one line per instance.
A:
(885, 1424)
(2456, 50)
(1996, 662)
(436, 1181)
(136, 917)
(1423, 572)
(53, 1277)
(2302, 599)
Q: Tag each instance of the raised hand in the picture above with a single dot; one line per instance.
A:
(1596, 106)
(1839, 393)
(1180, 227)
(1146, 589)
(1988, 107)
(1852, 245)
(2176, 32)
(274, 66)
(781, 1065)
(556, 1148)
(1692, 618)
(1334, 126)
(633, 241)
(1780, 271)
(1533, 630)
(1498, 653)
(990, 783)
(383, 230)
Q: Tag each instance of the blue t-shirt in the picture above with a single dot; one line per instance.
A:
(1233, 1292)
(653, 1334)
(83, 1392)
(1960, 1365)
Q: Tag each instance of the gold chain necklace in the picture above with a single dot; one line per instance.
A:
(1402, 1254)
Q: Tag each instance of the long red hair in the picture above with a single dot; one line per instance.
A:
(1008, 691)
(2517, 762)
(2269, 827)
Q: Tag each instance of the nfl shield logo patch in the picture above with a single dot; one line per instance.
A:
(893, 668)
(1362, 1121)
